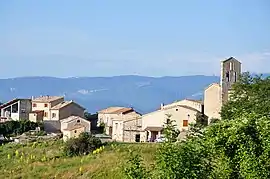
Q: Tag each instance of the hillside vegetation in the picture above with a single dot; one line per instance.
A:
(45, 160)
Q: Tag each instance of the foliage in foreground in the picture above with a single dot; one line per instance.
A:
(17, 127)
(250, 95)
(236, 147)
(82, 145)
(45, 160)
(135, 168)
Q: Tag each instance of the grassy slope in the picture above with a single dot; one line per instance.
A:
(108, 164)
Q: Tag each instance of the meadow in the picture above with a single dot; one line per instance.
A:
(45, 160)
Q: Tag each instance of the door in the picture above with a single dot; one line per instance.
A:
(137, 138)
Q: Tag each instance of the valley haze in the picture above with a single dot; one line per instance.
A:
(143, 93)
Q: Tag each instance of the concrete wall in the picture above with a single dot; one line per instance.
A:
(73, 133)
(36, 117)
(212, 101)
(109, 118)
(131, 129)
(25, 108)
(41, 106)
(177, 113)
(71, 110)
(52, 126)
(117, 130)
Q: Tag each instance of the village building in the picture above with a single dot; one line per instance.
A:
(114, 118)
(182, 112)
(51, 109)
(217, 94)
(73, 126)
(16, 109)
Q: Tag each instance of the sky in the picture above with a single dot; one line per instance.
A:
(67, 38)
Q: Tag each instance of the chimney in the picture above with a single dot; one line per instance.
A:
(32, 97)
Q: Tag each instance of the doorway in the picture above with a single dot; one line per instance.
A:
(137, 138)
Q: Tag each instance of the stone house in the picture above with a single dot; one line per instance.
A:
(16, 109)
(73, 126)
(128, 130)
(52, 109)
(113, 118)
(182, 112)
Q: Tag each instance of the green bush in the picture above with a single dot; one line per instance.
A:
(82, 145)
(16, 127)
(135, 168)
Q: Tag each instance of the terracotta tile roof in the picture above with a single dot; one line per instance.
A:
(109, 109)
(123, 110)
(115, 110)
(46, 99)
(74, 127)
(64, 104)
(72, 118)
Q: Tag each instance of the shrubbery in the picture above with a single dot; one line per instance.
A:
(17, 127)
(235, 147)
(82, 145)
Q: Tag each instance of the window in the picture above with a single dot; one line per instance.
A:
(185, 123)
(228, 76)
(176, 109)
(34, 105)
(75, 131)
(45, 114)
(45, 105)
(116, 126)
(78, 121)
(53, 115)
(235, 77)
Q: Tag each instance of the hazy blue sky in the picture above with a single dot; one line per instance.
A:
(146, 37)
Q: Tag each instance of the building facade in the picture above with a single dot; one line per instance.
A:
(73, 126)
(216, 95)
(16, 109)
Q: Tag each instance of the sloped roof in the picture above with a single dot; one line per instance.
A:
(212, 84)
(115, 110)
(231, 58)
(47, 99)
(74, 127)
(153, 128)
(64, 104)
(110, 109)
(11, 102)
(196, 101)
(72, 118)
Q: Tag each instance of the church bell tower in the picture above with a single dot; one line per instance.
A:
(230, 72)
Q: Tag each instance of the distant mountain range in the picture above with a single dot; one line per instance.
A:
(143, 93)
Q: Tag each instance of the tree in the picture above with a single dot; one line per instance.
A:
(249, 94)
(84, 144)
(196, 129)
(170, 131)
